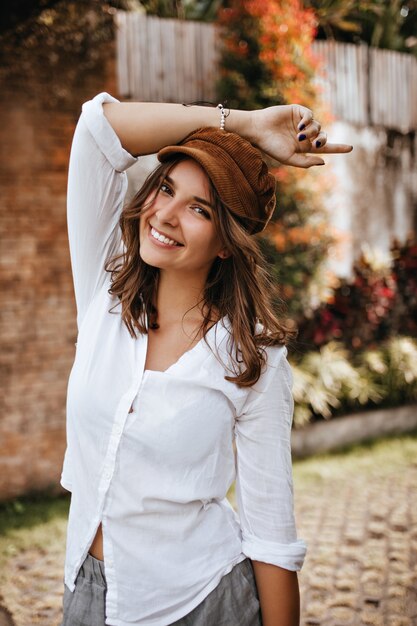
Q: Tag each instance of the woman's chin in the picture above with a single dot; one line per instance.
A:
(154, 260)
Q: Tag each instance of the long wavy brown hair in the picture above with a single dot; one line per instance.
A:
(238, 286)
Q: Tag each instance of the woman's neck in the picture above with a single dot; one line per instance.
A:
(179, 295)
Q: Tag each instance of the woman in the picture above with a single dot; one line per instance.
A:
(180, 382)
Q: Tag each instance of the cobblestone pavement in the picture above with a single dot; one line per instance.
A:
(360, 523)
(358, 514)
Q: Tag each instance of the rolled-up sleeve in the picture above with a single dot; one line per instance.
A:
(97, 186)
(264, 485)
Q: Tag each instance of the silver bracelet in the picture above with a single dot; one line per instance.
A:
(222, 116)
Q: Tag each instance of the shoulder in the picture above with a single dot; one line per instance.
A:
(227, 346)
(275, 356)
(276, 379)
(276, 367)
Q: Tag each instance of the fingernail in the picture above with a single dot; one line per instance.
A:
(318, 144)
(301, 127)
(301, 137)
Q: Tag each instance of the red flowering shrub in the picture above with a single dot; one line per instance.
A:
(375, 305)
(404, 272)
(274, 38)
(267, 60)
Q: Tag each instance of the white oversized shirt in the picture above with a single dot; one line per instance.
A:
(157, 477)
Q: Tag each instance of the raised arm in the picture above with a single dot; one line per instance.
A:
(287, 133)
(146, 127)
(97, 185)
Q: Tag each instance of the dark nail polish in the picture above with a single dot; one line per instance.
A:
(302, 126)
(301, 137)
(318, 144)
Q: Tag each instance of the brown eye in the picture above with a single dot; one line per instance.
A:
(165, 188)
(204, 213)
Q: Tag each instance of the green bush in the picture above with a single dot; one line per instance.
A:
(333, 381)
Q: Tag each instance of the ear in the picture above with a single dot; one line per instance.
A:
(224, 253)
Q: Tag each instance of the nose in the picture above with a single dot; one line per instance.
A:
(168, 211)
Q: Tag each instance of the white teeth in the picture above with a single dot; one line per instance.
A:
(163, 239)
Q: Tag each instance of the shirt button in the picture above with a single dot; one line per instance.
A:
(107, 474)
(117, 429)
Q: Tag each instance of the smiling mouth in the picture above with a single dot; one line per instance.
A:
(160, 238)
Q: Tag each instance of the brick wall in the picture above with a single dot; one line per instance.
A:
(37, 312)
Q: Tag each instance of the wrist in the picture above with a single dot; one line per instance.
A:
(239, 122)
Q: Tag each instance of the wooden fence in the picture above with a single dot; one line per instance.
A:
(165, 60)
(168, 60)
(369, 86)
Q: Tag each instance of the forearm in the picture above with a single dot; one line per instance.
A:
(146, 127)
(278, 594)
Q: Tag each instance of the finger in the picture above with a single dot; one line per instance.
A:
(336, 148)
(304, 160)
(310, 132)
(306, 116)
(319, 142)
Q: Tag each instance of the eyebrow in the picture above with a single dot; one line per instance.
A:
(201, 200)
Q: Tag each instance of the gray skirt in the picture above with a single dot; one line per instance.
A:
(234, 602)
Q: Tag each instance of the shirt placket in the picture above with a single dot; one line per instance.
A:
(122, 414)
(110, 464)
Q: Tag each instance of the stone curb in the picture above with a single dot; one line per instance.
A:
(350, 429)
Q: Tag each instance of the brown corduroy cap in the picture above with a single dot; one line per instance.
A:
(237, 171)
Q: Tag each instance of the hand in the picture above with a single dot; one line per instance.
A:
(288, 133)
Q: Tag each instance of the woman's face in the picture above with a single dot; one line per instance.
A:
(181, 216)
